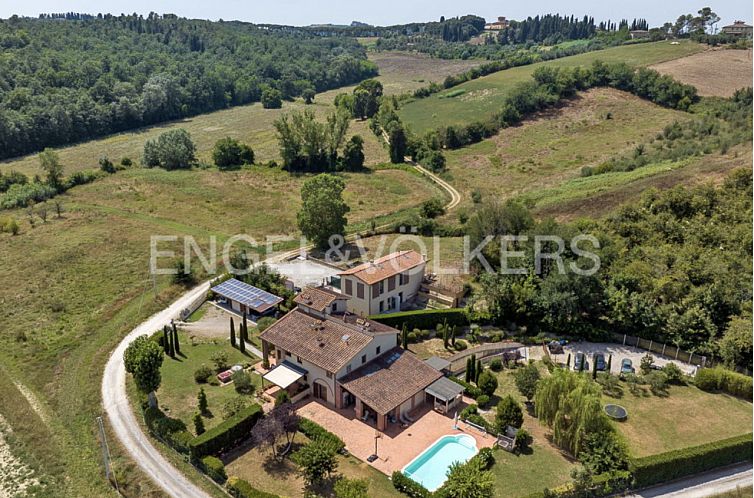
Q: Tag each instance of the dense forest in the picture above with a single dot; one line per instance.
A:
(71, 77)
(674, 267)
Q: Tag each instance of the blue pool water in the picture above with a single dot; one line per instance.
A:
(431, 466)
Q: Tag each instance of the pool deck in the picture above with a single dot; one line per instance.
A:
(397, 446)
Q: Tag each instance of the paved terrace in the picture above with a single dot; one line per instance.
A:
(397, 446)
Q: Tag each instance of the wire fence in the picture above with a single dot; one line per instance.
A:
(662, 349)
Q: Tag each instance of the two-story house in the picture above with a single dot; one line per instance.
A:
(383, 285)
(348, 362)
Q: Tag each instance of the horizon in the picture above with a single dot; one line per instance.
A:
(335, 12)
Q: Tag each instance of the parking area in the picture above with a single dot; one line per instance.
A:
(303, 272)
(618, 351)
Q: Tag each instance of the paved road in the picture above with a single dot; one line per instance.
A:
(702, 485)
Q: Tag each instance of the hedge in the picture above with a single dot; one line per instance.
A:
(214, 467)
(239, 488)
(687, 461)
(225, 436)
(423, 319)
(469, 390)
(727, 381)
(408, 486)
(314, 431)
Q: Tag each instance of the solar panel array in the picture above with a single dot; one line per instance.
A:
(249, 295)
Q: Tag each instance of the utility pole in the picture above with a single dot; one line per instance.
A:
(109, 475)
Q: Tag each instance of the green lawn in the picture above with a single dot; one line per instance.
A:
(686, 417)
(484, 96)
(178, 392)
(282, 477)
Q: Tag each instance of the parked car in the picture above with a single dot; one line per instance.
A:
(555, 347)
(580, 363)
(626, 367)
(599, 361)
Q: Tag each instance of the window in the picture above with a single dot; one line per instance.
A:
(359, 290)
(403, 278)
(382, 286)
(298, 359)
(329, 375)
(378, 350)
(288, 354)
(391, 283)
(349, 287)
(348, 368)
(391, 303)
(375, 290)
(382, 306)
(335, 306)
(363, 359)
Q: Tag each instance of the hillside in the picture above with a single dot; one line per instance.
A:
(480, 98)
(716, 73)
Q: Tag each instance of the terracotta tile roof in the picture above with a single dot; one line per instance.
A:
(386, 266)
(328, 343)
(391, 379)
(317, 298)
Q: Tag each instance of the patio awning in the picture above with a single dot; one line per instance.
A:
(284, 374)
(444, 389)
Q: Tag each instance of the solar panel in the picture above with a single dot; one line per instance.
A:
(246, 294)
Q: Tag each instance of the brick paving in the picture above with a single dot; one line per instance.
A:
(397, 446)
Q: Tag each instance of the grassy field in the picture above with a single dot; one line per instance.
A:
(282, 477)
(178, 392)
(717, 72)
(686, 417)
(597, 195)
(485, 95)
(550, 149)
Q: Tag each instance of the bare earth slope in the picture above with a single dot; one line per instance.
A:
(717, 72)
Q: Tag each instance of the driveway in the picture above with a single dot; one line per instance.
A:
(618, 351)
(304, 272)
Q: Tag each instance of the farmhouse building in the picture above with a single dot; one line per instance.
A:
(738, 28)
(383, 285)
(498, 25)
(348, 362)
(639, 34)
(246, 299)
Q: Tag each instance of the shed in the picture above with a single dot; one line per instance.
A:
(446, 394)
(246, 298)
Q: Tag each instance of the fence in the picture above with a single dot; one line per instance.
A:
(458, 360)
(662, 349)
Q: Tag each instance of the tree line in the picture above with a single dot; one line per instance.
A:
(63, 81)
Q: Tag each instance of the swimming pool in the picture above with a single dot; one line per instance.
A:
(431, 466)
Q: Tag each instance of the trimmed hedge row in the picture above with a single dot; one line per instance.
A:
(214, 467)
(469, 390)
(225, 436)
(423, 319)
(314, 431)
(679, 463)
(727, 381)
(239, 488)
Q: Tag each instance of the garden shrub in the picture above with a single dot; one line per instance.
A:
(496, 365)
(201, 374)
(460, 345)
(727, 381)
(687, 461)
(487, 383)
(408, 486)
(470, 390)
(483, 400)
(214, 467)
(412, 337)
(238, 488)
(423, 319)
(314, 431)
(485, 458)
(242, 382)
(226, 435)
(523, 440)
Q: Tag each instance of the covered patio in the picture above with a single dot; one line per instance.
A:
(286, 376)
(445, 394)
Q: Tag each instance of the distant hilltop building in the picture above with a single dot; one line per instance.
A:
(638, 34)
(501, 23)
(738, 28)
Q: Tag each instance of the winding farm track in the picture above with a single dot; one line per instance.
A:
(115, 401)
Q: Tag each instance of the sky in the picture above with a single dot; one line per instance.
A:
(384, 12)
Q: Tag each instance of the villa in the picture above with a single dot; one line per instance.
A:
(350, 363)
(383, 285)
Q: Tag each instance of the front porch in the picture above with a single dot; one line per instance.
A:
(396, 445)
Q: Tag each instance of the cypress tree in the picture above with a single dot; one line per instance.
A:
(242, 338)
(245, 333)
(232, 333)
(594, 370)
(404, 337)
(453, 335)
(202, 401)
(478, 371)
(176, 342)
(568, 361)
(609, 363)
(198, 424)
(468, 369)
(165, 341)
(171, 351)
(472, 368)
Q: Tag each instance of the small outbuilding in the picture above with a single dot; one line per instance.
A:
(247, 299)
(445, 393)
(439, 364)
